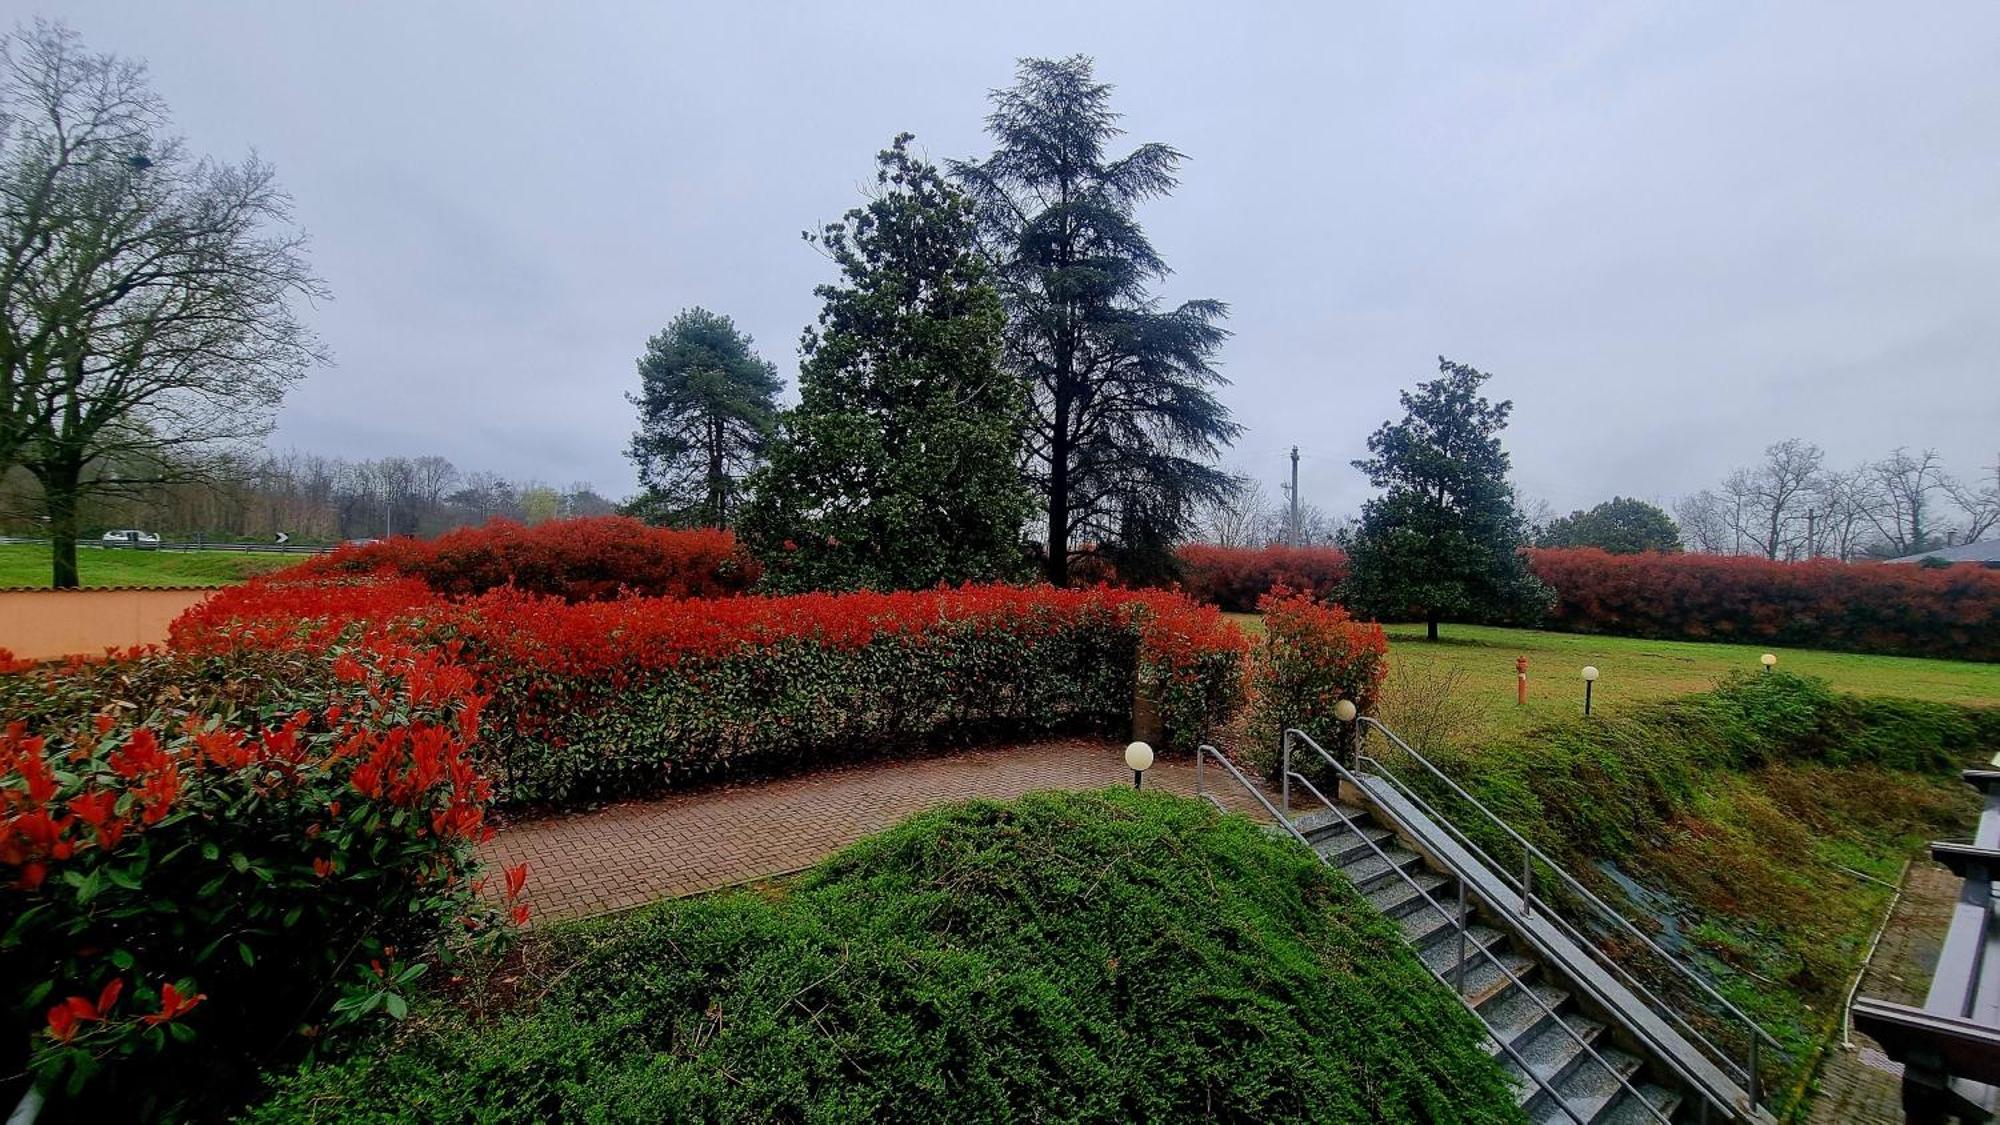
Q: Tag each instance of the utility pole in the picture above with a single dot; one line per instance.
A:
(1295, 497)
(1738, 521)
(1812, 544)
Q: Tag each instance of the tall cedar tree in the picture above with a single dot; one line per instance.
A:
(1444, 538)
(707, 407)
(900, 467)
(1122, 422)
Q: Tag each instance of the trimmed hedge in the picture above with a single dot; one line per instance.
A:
(1862, 607)
(1310, 657)
(577, 560)
(595, 701)
(1109, 956)
(200, 856)
(1233, 578)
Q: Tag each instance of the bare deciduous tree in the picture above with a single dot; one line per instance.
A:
(146, 317)
(1771, 498)
(1906, 485)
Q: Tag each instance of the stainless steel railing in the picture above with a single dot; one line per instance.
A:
(1458, 921)
(1747, 1071)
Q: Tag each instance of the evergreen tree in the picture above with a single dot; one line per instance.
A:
(1444, 538)
(1619, 525)
(707, 405)
(1123, 423)
(900, 467)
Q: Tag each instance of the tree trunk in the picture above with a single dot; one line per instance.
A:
(718, 484)
(59, 493)
(1430, 624)
(1058, 561)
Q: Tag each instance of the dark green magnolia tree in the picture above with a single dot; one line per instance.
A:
(1444, 538)
(707, 406)
(1619, 525)
(900, 467)
(1123, 427)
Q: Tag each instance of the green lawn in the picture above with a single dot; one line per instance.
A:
(1469, 673)
(27, 564)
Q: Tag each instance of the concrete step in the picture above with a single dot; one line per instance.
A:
(1340, 846)
(1322, 820)
(1484, 980)
(1426, 923)
(1628, 1110)
(1553, 1052)
(1514, 1014)
(1589, 1089)
(1369, 871)
(1398, 898)
(1442, 956)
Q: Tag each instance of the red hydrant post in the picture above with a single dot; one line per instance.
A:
(1520, 680)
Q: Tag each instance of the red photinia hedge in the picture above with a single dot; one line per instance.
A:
(577, 560)
(597, 700)
(1311, 656)
(225, 849)
(1234, 578)
(1863, 607)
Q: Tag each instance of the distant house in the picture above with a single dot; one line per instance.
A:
(1985, 553)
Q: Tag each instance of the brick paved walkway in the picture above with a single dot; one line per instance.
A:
(636, 852)
(1864, 1086)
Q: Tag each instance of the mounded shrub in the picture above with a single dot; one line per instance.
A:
(577, 560)
(1065, 957)
(1310, 657)
(1234, 578)
(595, 701)
(1860, 607)
(202, 856)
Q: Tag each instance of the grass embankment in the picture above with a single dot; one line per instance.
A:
(1461, 687)
(29, 564)
(1744, 814)
(1106, 956)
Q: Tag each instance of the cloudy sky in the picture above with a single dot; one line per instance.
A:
(1675, 233)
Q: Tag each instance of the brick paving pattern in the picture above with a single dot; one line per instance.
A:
(1863, 1086)
(633, 853)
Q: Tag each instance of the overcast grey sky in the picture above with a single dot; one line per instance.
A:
(1674, 233)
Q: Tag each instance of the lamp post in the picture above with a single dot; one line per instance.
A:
(1589, 681)
(1345, 711)
(1770, 660)
(1139, 757)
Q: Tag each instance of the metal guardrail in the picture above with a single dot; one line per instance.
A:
(1457, 921)
(1747, 1071)
(1954, 1039)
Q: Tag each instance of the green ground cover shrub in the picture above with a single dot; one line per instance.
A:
(1066, 957)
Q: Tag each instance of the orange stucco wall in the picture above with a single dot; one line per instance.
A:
(46, 624)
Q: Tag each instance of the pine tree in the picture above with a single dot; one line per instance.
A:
(1444, 538)
(1123, 423)
(900, 467)
(707, 405)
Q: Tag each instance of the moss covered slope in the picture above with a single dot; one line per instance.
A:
(1106, 957)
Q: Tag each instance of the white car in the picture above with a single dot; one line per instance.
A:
(133, 537)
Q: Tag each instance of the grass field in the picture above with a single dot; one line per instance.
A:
(1469, 672)
(27, 564)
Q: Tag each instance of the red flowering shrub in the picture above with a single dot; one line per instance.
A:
(599, 700)
(1311, 657)
(221, 850)
(577, 560)
(1234, 578)
(1861, 607)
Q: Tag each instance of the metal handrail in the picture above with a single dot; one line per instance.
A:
(1458, 923)
(1716, 1053)
(1200, 788)
(1756, 1033)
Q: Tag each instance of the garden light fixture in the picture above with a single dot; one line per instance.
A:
(1589, 680)
(1770, 660)
(1344, 710)
(1139, 757)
